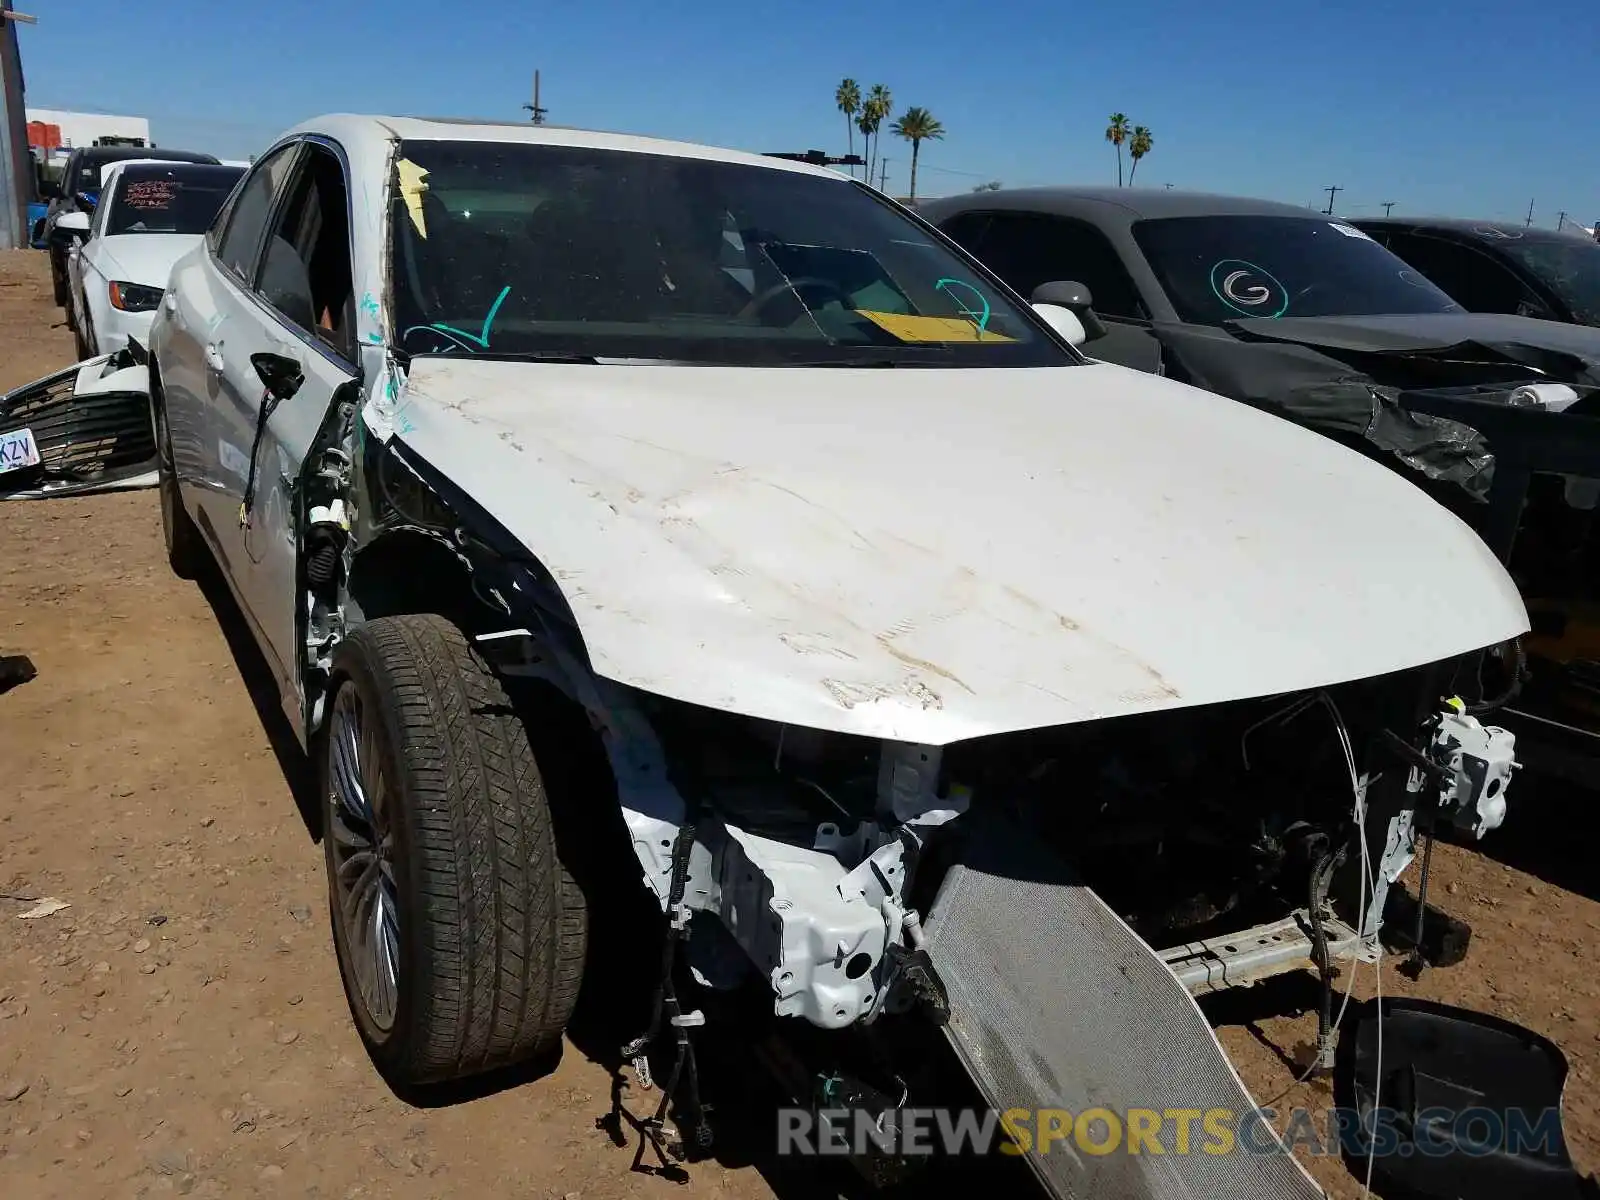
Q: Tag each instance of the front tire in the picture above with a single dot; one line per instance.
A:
(460, 933)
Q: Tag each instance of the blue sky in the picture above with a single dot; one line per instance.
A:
(1441, 107)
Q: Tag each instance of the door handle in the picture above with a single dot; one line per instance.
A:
(214, 357)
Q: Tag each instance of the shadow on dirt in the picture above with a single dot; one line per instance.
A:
(263, 689)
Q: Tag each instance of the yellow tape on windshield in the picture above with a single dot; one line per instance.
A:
(910, 328)
(413, 182)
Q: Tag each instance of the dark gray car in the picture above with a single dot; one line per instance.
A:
(1498, 267)
(1305, 315)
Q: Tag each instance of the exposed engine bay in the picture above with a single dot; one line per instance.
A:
(797, 869)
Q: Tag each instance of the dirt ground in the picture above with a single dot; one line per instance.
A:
(180, 1030)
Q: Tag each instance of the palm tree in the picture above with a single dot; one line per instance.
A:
(875, 111)
(848, 98)
(1116, 134)
(916, 126)
(1138, 146)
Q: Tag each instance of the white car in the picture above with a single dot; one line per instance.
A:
(151, 212)
(627, 518)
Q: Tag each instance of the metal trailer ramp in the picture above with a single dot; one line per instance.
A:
(1056, 1003)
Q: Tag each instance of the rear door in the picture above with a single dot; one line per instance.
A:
(206, 385)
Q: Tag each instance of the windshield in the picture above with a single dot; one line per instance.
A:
(1568, 266)
(169, 199)
(512, 249)
(1218, 269)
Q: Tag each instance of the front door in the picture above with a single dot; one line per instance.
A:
(305, 313)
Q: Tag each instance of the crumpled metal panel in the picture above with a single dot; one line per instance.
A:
(1056, 1003)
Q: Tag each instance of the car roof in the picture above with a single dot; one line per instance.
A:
(185, 170)
(358, 130)
(1482, 230)
(115, 153)
(1134, 203)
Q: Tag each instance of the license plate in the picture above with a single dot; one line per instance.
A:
(18, 450)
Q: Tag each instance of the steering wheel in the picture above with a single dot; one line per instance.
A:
(760, 301)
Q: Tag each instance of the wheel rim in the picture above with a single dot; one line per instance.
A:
(363, 857)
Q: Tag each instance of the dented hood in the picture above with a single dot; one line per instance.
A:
(929, 555)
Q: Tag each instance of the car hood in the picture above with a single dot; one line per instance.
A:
(143, 258)
(929, 555)
(1402, 332)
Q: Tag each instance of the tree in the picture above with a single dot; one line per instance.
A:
(1138, 146)
(992, 186)
(875, 111)
(916, 126)
(848, 98)
(1116, 134)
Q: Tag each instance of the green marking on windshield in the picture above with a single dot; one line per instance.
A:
(482, 336)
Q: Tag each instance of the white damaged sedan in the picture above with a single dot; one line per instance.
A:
(618, 512)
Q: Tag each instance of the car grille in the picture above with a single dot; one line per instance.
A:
(81, 439)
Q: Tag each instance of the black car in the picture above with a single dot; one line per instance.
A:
(1307, 316)
(79, 190)
(1492, 267)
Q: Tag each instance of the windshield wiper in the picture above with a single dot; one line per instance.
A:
(539, 356)
(831, 362)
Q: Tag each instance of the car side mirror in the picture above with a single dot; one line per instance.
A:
(281, 376)
(1064, 321)
(73, 222)
(1075, 298)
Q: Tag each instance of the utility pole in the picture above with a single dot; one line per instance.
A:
(1561, 220)
(1169, 187)
(883, 175)
(536, 108)
(1529, 221)
(1331, 190)
(16, 164)
(1387, 205)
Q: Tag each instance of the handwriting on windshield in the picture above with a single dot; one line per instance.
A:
(149, 193)
(979, 317)
(480, 340)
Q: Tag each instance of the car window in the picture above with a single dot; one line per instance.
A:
(69, 176)
(510, 248)
(1470, 276)
(1217, 269)
(1569, 266)
(305, 273)
(178, 199)
(966, 230)
(1027, 249)
(239, 246)
(97, 223)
